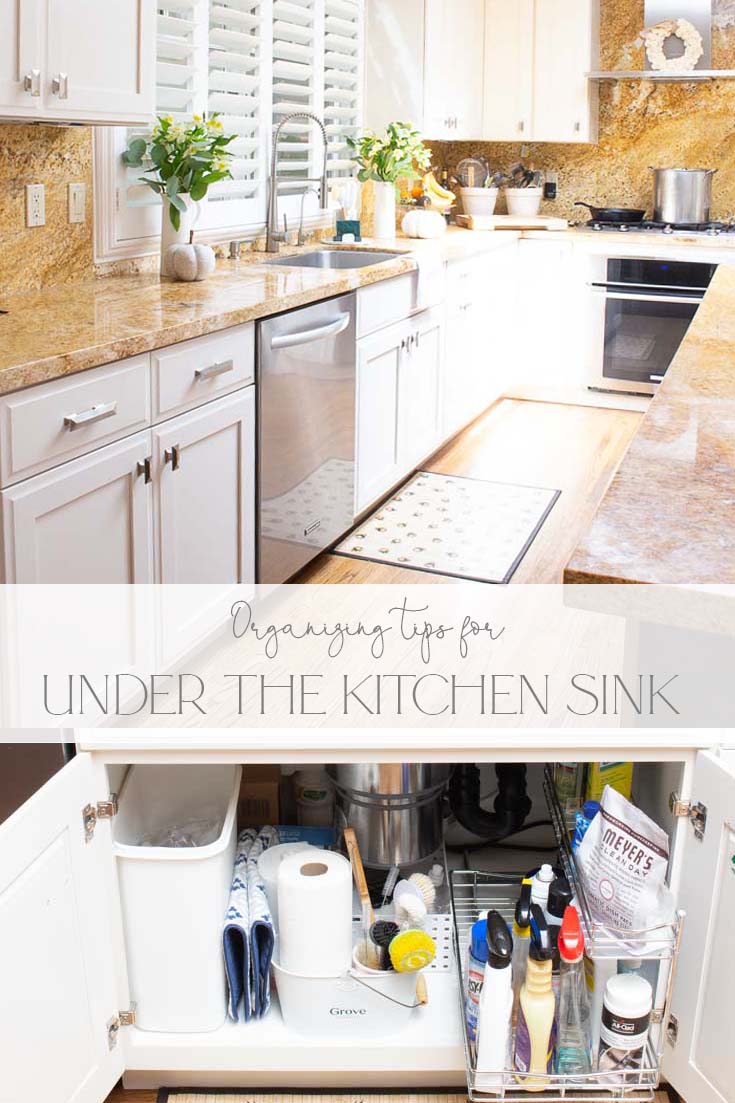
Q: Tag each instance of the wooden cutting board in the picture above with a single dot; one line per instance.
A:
(511, 222)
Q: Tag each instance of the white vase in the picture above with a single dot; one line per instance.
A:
(385, 211)
(171, 236)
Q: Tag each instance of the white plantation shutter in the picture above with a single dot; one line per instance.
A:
(253, 61)
(343, 49)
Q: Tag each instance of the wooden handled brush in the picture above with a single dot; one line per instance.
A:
(370, 954)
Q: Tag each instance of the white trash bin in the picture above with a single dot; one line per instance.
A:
(174, 897)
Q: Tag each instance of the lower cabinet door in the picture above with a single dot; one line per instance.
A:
(60, 946)
(87, 521)
(378, 366)
(205, 493)
(418, 389)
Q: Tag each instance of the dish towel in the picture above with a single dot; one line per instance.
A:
(248, 936)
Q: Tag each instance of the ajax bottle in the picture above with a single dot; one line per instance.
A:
(535, 1030)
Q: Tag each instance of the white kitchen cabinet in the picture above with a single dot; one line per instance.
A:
(425, 66)
(21, 58)
(508, 89)
(204, 483)
(87, 521)
(64, 970)
(453, 83)
(398, 371)
(480, 296)
(564, 99)
(78, 60)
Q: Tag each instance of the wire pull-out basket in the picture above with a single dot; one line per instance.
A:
(474, 894)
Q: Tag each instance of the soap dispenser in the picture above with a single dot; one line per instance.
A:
(535, 1031)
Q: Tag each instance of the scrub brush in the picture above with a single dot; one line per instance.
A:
(426, 887)
(382, 933)
(369, 956)
(412, 950)
(409, 908)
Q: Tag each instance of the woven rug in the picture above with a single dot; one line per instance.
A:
(446, 524)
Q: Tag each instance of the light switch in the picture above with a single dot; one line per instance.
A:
(77, 202)
(35, 205)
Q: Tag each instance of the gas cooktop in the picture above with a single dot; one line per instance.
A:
(710, 229)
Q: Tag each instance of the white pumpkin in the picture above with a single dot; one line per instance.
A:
(190, 262)
(422, 223)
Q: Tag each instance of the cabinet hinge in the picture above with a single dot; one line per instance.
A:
(115, 1025)
(91, 813)
(695, 812)
(672, 1030)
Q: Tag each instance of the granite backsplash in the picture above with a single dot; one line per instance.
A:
(642, 124)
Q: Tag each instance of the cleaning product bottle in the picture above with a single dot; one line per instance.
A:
(496, 1006)
(540, 885)
(535, 1032)
(560, 897)
(521, 941)
(574, 1032)
(475, 974)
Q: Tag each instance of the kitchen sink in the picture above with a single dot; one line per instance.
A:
(334, 258)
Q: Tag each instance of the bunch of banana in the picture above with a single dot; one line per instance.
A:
(440, 199)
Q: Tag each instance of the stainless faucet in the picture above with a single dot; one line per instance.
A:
(273, 234)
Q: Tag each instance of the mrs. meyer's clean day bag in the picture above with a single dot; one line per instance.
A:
(623, 859)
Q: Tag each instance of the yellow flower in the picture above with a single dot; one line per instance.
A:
(197, 118)
(214, 124)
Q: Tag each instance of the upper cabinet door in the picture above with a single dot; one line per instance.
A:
(58, 946)
(394, 63)
(112, 80)
(564, 97)
(453, 79)
(508, 95)
(698, 1060)
(20, 58)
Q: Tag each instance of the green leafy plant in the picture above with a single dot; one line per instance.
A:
(184, 159)
(400, 153)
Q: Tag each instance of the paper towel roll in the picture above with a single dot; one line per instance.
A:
(315, 914)
(269, 863)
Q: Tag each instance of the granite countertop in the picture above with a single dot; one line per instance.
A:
(71, 327)
(669, 514)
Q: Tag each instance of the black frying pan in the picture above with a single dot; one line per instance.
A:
(613, 214)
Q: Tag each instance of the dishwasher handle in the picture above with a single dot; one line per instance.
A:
(306, 336)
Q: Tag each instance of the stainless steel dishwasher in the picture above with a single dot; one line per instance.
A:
(306, 429)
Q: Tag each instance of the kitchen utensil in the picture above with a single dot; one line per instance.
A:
(682, 196)
(511, 222)
(382, 933)
(370, 956)
(395, 808)
(613, 214)
(472, 172)
(426, 887)
(412, 950)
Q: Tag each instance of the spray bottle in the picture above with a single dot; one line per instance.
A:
(496, 1005)
(535, 1033)
(574, 1035)
(521, 941)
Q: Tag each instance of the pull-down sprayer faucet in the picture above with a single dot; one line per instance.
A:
(273, 234)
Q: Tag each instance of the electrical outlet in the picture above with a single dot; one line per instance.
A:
(77, 202)
(35, 205)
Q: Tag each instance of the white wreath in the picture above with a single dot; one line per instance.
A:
(686, 32)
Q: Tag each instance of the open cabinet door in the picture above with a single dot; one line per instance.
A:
(699, 1060)
(57, 970)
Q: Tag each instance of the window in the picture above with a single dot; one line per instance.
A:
(254, 61)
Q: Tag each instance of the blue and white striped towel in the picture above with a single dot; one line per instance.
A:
(248, 936)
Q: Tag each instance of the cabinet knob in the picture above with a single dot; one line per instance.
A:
(577, 127)
(172, 455)
(521, 126)
(60, 85)
(143, 467)
(32, 82)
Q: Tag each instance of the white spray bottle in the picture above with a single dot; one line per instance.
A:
(496, 1007)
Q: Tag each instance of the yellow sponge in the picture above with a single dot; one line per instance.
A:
(412, 950)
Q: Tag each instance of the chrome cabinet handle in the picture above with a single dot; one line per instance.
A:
(577, 127)
(172, 455)
(416, 338)
(90, 416)
(331, 329)
(32, 82)
(521, 126)
(214, 369)
(60, 85)
(143, 467)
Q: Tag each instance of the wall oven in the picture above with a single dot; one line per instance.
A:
(641, 311)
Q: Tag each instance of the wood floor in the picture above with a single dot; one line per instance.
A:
(575, 449)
